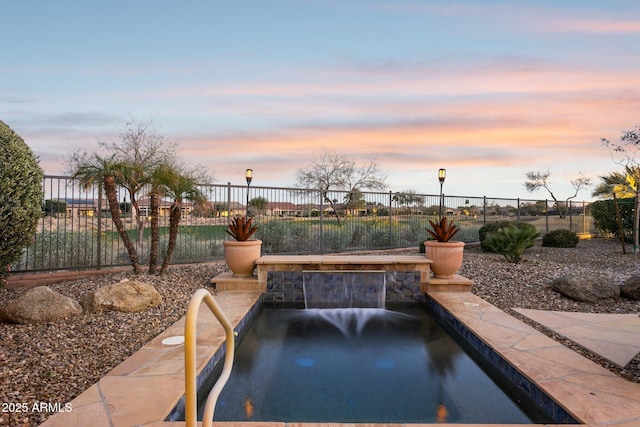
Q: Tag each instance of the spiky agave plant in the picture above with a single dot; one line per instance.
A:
(443, 231)
(241, 228)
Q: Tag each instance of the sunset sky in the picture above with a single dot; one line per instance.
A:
(486, 89)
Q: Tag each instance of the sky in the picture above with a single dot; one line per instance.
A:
(488, 90)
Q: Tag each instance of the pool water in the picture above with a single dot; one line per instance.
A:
(360, 365)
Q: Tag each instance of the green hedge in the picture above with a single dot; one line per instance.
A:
(20, 197)
(604, 217)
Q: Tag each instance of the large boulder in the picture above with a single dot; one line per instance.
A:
(127, 296)
(586, 288)
(40, 305)
(631, 288)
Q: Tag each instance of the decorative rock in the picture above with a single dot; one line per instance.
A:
(40, 305)
(126, 296)
(631, 288)
(586, 288)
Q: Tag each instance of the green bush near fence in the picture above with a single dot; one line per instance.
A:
(66, 250)
(560, 239)
(283, 236)
(495, 226)
(20, 197)
(511, 241)
(605, 218)
(190, 247)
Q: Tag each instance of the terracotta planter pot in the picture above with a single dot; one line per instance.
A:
(446, 257)
(241, 256)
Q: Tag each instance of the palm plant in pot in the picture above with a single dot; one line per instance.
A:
(241, 253)
(445, 254)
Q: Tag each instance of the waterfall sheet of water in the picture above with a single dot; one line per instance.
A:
(344, 289)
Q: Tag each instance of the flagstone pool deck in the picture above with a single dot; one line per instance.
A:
(143, 389)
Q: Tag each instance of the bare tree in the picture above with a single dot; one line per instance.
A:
(625, 153)
(141, 149)
(536, 180)
(333, 171)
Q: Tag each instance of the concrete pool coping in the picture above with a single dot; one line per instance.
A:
(589, 392)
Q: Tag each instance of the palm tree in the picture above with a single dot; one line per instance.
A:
(621, 184)
(179, 186)
(154, 205)
(95, 169)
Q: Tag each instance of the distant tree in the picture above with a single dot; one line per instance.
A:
(259, 203)
(354, 201)
(536, 180)
(333, 171)
(625, 153)
(140, 149)
(408, 198)
(538, 207)
(55, 207)
(20, 197)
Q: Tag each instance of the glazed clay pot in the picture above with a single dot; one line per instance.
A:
(241, 256)
(446, 257)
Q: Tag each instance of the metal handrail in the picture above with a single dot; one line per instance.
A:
(191, 392)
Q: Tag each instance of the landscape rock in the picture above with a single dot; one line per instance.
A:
(631, 288)
(126, 296)
(586, 288)
(40, 305)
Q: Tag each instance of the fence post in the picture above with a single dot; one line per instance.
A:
(518, 209)
(228, 203)
(546, 215)
(570, 215)
(484, 210)
(321, 222)
(99, 239)
(390, 217)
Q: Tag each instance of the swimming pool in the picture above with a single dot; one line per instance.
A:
(362, 365)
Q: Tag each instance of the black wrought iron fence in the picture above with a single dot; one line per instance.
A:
(76, 231)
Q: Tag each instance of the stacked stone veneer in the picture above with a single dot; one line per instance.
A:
(407, 277)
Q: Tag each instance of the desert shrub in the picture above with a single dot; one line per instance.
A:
(336, 238)
(385, 238)
(63, 249)
(511, 241)
(359, 235)
(492, 227)
(283, 236)
(604, 217)
(384, 234)
(20, 197)
(189, 248)
(560, 239)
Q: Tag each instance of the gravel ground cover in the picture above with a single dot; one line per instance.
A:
(55, 362)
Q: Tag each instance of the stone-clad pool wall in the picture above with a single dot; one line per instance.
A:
(407, 277)
(285, 288)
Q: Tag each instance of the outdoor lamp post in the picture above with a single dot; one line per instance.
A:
(248, 174)
(442, 174)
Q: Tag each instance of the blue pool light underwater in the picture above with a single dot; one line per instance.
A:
(305, 362)
(385, 364)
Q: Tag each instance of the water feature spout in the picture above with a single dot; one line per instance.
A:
(344, 289)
